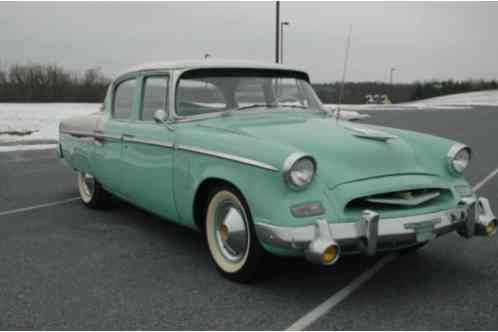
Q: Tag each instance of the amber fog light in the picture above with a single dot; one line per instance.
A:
(330, 254)
(491, 228)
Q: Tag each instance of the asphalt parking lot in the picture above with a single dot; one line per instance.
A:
(69, 267)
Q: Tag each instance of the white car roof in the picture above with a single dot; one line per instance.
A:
(209, 63)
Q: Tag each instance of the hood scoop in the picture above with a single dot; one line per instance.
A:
(370, 134)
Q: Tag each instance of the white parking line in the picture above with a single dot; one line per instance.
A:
(338, 297)
(34, 207)
(485, 180)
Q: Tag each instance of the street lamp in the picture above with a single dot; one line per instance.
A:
(282, 40)
(391, 90)
(391, 73)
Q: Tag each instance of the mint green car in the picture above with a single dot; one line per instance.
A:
(247, 154)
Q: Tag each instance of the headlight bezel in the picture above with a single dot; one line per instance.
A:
(453, 153)
(288, 167)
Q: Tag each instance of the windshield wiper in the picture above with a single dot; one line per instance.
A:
(254, 106)
(294, 106)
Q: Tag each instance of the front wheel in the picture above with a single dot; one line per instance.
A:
(230, 235)
(91, 192)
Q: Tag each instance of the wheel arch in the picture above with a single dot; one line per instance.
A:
(200, 203)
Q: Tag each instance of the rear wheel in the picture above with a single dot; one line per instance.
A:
(91, 192)
(230, 235)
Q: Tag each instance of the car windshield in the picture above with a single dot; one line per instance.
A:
(203, 92)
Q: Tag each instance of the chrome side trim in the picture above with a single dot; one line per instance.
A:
(108, 137)
(169, 145)
(227, 156)
(77, 133)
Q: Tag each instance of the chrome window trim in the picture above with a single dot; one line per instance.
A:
(226, 156)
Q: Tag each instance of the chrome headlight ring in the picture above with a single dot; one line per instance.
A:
(299, 170)
(459, 157)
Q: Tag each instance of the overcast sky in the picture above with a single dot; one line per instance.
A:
(421, 40)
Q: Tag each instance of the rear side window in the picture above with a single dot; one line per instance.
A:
(155, 96)
(123, 99)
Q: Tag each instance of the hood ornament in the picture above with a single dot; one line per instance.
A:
(371, 134)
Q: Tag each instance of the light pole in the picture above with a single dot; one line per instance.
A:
(277, 24)
(391, 74)
(282, 40)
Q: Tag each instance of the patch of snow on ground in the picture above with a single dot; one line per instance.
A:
(42, 119)
(478, 98)
(8, 148)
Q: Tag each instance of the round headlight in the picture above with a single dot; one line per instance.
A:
(459, 158)
(299, 170)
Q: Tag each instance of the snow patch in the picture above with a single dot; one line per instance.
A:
(9, 148)
(36, 122)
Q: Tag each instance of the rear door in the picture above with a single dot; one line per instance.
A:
(148, 150)
(109, 137)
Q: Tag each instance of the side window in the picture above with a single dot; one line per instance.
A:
(123, 99)
(155, 96)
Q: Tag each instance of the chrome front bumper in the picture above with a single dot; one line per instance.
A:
(371, 233)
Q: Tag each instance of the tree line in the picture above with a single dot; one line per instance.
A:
(356, 92)
(52, 83)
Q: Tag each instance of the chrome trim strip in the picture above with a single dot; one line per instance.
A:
(227, 156)
(77, 133)
(95, 135)
(98, 136)
(169, 145)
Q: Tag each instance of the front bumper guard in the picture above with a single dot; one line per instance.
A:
(471, 217)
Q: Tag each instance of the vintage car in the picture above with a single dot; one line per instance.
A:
(247, 154)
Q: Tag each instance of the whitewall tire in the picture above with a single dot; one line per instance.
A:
(91, 192)
(230, 235)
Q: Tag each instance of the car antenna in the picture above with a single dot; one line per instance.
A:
(344, 70)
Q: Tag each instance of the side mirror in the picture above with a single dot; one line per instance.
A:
(160, 116)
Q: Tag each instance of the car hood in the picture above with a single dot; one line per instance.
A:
(344, 151)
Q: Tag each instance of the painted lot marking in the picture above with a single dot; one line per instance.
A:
(338, 297)
(324, 307)
(485, 180)
(315, 314)
(40, 206)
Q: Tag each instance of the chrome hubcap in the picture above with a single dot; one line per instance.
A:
(88, 184)
(231, 231)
